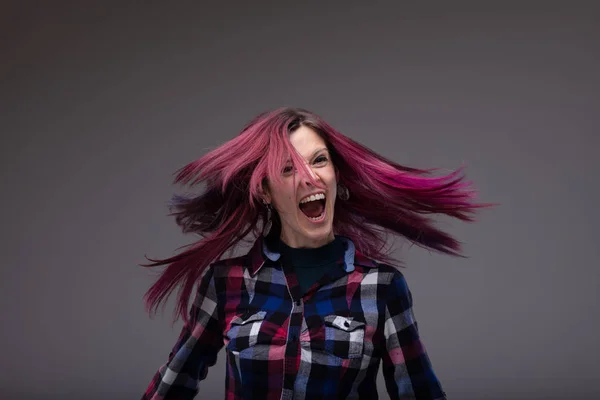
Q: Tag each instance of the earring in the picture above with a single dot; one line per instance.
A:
(269, 223)
(343, 192)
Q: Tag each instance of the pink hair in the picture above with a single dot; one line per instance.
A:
(385, 197)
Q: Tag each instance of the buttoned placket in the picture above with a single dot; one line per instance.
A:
(292, 350)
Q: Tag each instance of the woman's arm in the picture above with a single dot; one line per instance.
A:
(406, 367)
(196, 349)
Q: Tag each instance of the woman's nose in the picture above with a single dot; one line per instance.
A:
(311, 173)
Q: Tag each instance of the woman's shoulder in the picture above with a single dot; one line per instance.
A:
(228, 267)
(371, 265)
(385, 273)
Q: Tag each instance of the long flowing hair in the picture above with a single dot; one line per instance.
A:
(385, 198)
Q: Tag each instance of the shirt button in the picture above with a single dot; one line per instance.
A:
(347, 324)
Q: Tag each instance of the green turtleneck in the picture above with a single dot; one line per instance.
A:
(310, 264)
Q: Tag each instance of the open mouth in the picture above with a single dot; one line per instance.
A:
(313, 207)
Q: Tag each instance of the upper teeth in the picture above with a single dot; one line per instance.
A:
(318, 196)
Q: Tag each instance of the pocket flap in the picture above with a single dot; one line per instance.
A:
(347, 324)
(246, 318)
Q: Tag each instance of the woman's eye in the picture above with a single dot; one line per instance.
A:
(288, 168)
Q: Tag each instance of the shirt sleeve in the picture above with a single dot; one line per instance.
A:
(195, 351)
(407, 370)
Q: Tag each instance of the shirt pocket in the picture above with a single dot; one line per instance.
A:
(344, 336)
(244, 330)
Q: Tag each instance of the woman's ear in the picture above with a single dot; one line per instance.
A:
(264, 192)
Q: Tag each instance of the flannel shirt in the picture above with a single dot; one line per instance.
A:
(327, 344)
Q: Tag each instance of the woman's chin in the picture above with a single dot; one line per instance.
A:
(321, 234)
(312, 233)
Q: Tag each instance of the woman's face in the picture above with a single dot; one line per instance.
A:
(309, 224)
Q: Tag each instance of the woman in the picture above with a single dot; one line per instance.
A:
(315, 305)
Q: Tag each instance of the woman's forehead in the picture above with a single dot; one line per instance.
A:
(306, 142)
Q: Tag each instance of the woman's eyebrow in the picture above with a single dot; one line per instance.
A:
(289, 160)
(318, 151)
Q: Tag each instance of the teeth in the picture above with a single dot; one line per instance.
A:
(316, 218)
(318, 196)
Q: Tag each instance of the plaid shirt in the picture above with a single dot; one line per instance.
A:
(327, 344)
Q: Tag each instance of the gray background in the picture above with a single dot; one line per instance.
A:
(101, 103)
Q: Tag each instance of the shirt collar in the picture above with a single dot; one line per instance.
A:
(260, 254)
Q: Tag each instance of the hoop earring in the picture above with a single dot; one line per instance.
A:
(269, 223)
(343, 192)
